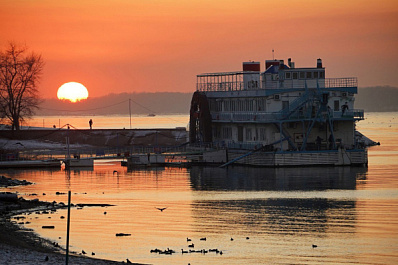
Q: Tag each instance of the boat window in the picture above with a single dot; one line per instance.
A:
(295, 75)
(248, 134)
(227, 133)
(219, 106)
(322, 75)
(315, 74)
(285, 105)
(302, 75)
(263, 135)
(216, 133)
(260, 104)
(250, 105)
(309, 75)
(336, 106)
(288, 75)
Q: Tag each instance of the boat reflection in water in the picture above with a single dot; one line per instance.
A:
(277, 179)
(284, 210)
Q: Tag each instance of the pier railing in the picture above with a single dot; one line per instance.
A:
(97, 153)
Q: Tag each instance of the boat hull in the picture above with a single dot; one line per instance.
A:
(338, 157)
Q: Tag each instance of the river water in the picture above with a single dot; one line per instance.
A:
(273, 215)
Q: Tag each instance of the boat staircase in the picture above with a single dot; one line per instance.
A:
(311, 106)
(294, 110)
(322, 115)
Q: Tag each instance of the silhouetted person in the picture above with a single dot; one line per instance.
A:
(318, 142)
(90, 122)
(330, 142)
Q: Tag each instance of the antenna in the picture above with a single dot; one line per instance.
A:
(273, 57)
(130, 111)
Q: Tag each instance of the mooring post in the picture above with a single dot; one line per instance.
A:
(67, 230)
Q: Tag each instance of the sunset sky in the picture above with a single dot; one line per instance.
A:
(154, 45)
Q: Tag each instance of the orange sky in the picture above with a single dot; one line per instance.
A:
(161, 45)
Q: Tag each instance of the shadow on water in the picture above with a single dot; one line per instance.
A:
(276, 179)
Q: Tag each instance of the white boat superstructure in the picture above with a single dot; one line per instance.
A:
(280, 112)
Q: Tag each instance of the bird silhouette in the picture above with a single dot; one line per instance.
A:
(161, 209)
(83, 252)
(188, 239)
(203, 239)
(314, 246)
(115, 171)
(128, 261)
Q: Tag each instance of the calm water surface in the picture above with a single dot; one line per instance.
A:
(351, 214)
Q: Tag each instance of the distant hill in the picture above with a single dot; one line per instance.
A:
(377, 99)
(141, 103)
(380, 98)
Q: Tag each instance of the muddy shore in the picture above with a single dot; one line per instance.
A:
(22, 246)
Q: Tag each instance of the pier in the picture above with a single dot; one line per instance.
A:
(70, 145)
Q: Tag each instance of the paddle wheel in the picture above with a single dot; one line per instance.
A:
(200, 119)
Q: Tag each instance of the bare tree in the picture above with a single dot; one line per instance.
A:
(20, 73)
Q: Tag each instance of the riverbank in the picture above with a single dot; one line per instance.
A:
(22, 246)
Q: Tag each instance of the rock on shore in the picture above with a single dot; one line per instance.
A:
(6, 182)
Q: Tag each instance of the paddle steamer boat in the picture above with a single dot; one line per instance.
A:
(283, 116)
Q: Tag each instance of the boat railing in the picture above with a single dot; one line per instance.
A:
(341, 82)
(357, 114)
(235, 82)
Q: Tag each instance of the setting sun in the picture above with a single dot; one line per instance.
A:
(72, 91)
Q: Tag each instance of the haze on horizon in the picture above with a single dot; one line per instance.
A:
(157, 46)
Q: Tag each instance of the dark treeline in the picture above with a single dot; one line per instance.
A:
(380, 98)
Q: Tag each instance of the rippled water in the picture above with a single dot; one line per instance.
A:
(351, 214)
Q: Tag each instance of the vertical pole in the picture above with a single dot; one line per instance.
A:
(59, 123)
(280, 135)
(130, 111)
(67, 230)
